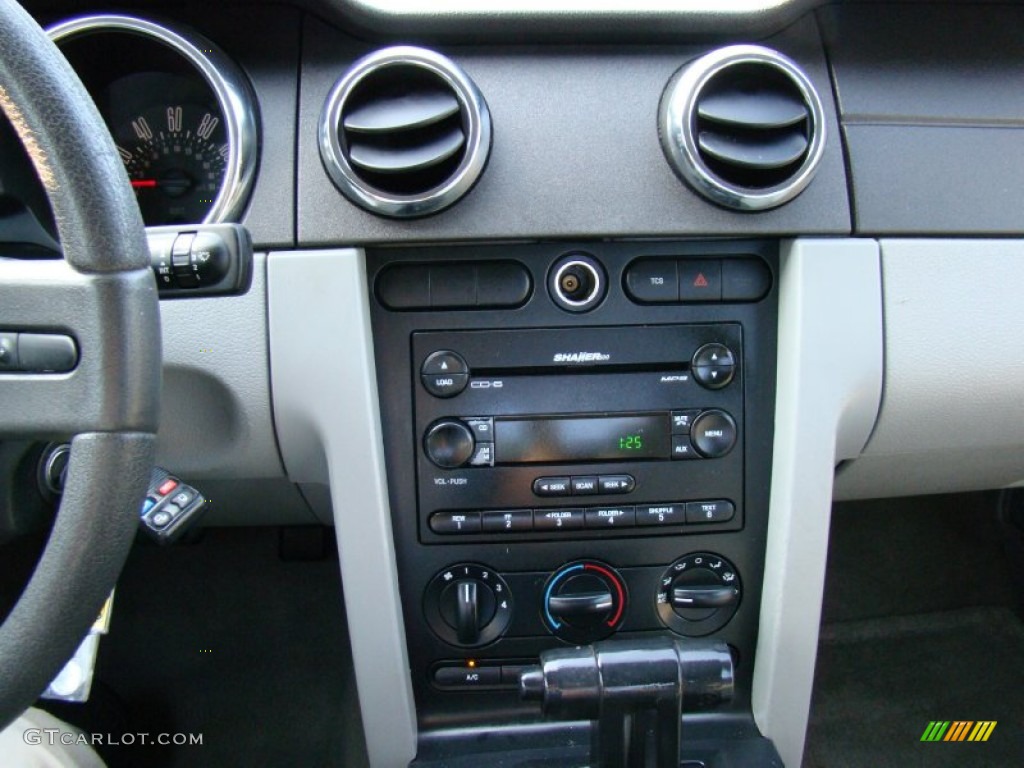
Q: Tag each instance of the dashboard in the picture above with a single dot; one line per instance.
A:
(571, 322)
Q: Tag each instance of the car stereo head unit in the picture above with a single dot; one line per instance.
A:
(522, 431)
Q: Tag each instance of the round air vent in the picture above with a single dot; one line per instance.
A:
(743, 126)
(405, 132)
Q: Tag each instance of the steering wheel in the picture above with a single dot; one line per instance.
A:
(103, 295)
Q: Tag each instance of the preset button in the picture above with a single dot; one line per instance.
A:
(557, 519)
(720, 511)
(455, 522)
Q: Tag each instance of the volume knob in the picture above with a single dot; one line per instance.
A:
(449, 443)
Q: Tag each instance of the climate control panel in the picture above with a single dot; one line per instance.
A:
(470, 605)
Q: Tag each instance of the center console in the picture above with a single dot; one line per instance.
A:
(578, 444)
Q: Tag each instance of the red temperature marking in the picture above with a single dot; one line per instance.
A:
(618, 588)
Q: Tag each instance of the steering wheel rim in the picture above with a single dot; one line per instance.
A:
(103, 295)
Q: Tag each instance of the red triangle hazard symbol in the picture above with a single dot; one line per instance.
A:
(700, 281)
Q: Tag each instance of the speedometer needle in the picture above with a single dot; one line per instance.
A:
(143, 183)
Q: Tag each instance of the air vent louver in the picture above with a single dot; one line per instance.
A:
(743, 126)
(405, 132)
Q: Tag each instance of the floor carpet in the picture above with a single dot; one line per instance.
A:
(225, 639)
(920, 625)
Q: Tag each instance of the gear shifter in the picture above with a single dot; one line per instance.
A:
(634, 693)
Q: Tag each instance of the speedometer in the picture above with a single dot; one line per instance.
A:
(181, 113)
(176, 156)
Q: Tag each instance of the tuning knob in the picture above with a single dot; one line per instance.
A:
(468, 605)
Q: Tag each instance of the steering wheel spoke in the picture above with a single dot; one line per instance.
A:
(63, 318)
(103, 298)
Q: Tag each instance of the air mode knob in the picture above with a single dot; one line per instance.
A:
(698, 594)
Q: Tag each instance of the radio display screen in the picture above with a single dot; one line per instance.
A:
(553, 440)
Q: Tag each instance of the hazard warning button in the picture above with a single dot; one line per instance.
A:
(700, 280)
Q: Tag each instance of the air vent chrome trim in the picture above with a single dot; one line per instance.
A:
(677, 121)
(477, 127)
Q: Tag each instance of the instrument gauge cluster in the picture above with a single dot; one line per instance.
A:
(182, 114)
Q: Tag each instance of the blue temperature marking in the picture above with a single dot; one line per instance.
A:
(547, 593)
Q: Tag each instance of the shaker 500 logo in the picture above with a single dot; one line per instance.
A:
(581, 357)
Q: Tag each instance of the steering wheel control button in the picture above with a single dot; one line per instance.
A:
(710, 511)
(46, 352)
(584, 601)
(713, 366)
(683, 420)
(698, 594)
(8, 351)
(700, 280)
(508, 521)
(455, 522)
(713, 434)
(37, 352)
(653, 281)
(611, 517)
(660, 514)
(558, 519)
(449, 443)
(552, 486)
(584, 485)
(468, 605)
(682, 448)
(616, 483)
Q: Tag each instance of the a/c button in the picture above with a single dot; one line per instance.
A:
(467, 677)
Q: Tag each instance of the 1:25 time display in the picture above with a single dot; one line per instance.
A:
(631, 443)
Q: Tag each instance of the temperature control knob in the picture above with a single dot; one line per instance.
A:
(468, 605)
(584, 601)
(698, 594)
